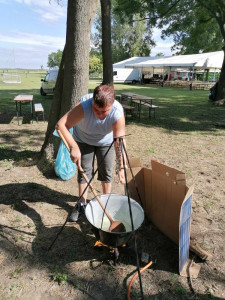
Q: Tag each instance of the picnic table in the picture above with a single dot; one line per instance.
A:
(123, 98)
(21, 99)
(139, 101)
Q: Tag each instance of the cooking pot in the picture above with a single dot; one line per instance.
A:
(118, 207)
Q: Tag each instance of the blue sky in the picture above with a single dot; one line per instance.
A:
(32, 29)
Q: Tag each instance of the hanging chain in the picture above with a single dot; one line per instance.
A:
(118, 158)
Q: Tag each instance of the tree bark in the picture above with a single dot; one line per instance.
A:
(220, 94)
(106, 42)
(72, 81)
(48, 146)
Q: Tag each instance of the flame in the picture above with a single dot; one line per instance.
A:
(100, 244)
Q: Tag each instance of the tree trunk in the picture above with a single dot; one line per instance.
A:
(106, 42)
(48, 146)
(220, 94)
(72, 81)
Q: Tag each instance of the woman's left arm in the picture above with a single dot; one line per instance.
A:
(119, 131)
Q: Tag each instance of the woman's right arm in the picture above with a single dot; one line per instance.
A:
(64, 124)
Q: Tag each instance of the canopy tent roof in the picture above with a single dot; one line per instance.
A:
(203, 61)
(133, 60)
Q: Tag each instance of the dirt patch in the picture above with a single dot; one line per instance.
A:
(34, 206)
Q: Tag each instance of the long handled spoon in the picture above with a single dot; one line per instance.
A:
(115, 226)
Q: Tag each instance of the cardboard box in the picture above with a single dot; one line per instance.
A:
(166, 201)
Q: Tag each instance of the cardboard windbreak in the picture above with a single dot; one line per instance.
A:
(166, 201)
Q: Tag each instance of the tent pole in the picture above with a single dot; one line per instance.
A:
(207, 75)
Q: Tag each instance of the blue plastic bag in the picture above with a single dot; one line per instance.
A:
(64, 167)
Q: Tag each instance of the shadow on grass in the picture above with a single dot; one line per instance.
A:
(11, 145)
(179, 109)
(22, 158)
(72, 244)
(22, 194)
(76, 245)
(25, 158)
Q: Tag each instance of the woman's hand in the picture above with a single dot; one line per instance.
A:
(75, 155)
(121, 176)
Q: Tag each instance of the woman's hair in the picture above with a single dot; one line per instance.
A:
(104, 95)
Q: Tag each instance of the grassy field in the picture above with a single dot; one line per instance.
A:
(179, 109)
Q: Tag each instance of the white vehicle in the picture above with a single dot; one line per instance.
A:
(48, 83)
(123, 75)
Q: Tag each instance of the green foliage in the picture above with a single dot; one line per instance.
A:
(17, 272)
(54, 59)
(196, 26)
(174, 279)
(18, 238)
(59, 277)
(95, 62)
(160, 54)
(14, 287)
(198, 32)
(150, 150)
(130, 36)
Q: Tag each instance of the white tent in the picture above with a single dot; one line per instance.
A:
(184, 64)
(204, 61)
(133, 60)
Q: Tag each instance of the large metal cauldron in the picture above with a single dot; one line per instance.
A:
(118, 208)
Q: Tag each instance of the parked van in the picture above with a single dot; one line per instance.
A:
(48, 83)
(125, 75)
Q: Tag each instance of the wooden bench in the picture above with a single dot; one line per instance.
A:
(151, 108)
(38, 108)
(118, 98)
(128, 109)
(136, 102)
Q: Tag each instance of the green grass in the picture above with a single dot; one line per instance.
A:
(59, 277)
(16, 272)
(179, 109)
(30, 84)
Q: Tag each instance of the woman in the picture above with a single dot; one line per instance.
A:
(96, 120)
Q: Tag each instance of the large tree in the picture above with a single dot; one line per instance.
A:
(201, 35)
(129, 37)
(72, 81)
(183, 19)
(106, 42)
